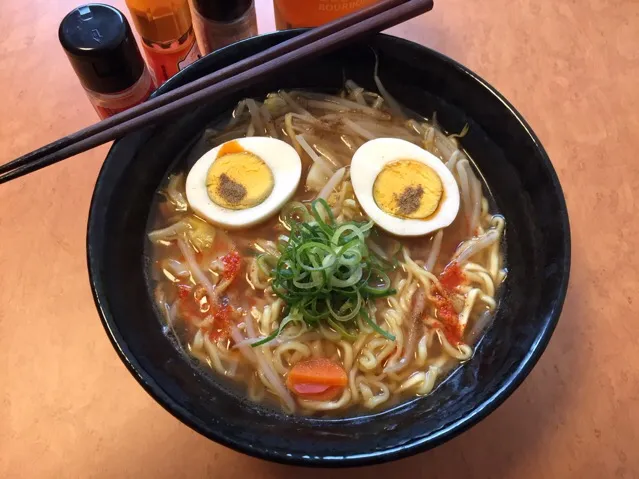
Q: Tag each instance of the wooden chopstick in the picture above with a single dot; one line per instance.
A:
(223, 82)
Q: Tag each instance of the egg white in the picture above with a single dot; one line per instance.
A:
(368, 162)
(280, 157)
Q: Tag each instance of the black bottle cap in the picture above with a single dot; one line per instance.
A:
(101, 48)
(224, 11)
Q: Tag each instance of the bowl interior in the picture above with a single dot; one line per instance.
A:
(514, 166)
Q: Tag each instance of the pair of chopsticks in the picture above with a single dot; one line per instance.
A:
(213, 86)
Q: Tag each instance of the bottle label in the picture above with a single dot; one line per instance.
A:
(191, 56)
(166, 63)
(106, 108)
(312, 13)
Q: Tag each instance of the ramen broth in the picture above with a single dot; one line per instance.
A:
(442, 291)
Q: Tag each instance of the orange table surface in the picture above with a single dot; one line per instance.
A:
(69, 407)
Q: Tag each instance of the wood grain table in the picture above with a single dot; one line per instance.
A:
(68, 406)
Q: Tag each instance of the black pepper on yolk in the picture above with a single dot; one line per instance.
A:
(238, 179)
(408, 189)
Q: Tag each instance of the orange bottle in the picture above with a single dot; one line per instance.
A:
(311, 13)
(167, 35)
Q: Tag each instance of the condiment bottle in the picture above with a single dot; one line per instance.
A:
(312, 13)
(167, 35)
(101, 48)
(218, 23)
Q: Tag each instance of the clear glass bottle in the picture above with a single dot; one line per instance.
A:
(312, 13)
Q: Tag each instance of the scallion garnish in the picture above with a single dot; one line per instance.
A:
(326, 272)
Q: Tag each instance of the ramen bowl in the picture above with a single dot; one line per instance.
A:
(516, 170)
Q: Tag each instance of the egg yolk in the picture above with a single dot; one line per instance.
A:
(239, 180)
(408, 189)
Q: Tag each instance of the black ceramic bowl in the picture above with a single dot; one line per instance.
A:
(515, 167)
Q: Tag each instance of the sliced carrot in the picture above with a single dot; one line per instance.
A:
(328, 394)
(317, 378)
(318, 371)
(306, 388)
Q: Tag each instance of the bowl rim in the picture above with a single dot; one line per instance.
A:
(510, 384)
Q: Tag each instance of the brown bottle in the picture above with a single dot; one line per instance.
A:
(312, 13)
(218, 23)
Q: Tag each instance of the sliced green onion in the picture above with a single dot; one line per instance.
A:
(327, 209)
(292, 316)
(337, 327)
(266, 263)
(326, 272)
(290, 210)
(375, 326)
(339, 316)
(352, 279)
(267, 339)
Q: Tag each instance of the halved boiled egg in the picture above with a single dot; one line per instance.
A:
(243, 182)
(403, 188)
